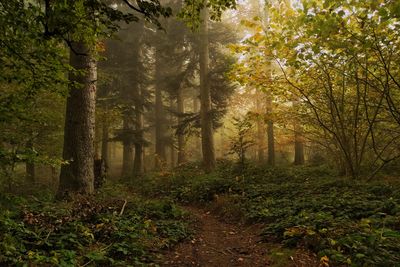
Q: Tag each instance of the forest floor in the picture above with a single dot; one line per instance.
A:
(219, 243)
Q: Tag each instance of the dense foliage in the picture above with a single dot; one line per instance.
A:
(351, 222)
(107, 231)
(337, 62)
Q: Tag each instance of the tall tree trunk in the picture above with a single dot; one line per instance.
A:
(104, 139)
(159, 119)
(30, 166)
(222, 142)
(270, 133)
(181, 136)
(127, 150)
(197, 149)
(97, 142)
(139, 151)
(298, 145)
(298, 141)
(207, 138)
(172, 155)
(260, 129)
(172, 134)
(144, 159)
(78, 174)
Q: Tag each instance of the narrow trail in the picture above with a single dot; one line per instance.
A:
(219, 244)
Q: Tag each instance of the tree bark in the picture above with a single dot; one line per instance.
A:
(298, 145)
(97, 142)
(270, 134)
(139, 151)
(207, 138)
(104, 139)
(181, 136)
(127, 150)
(298, 140)
(260, 130)
(198, 151)
(30, 166)
(77, 175)
(160, 128)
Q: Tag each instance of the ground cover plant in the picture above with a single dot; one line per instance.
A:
(88, 231)
(346, 222)
(283, 114)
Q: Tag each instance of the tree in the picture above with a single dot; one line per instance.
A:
(298, 138)
(32, 68)
(160, 118)
(77, 176)
(207, 139)
(197, 14)
(242, 141)
(328, 63)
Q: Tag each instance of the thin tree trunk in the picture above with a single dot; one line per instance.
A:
(298, 139)
(160, 156)
(172, 156)
(270, 134)
(172, 134)
(127, 150)
(144, 159)
(97, 142)
(78, 174)
(104, 139)
(139, 151)
(298, 145)
(54, 175)
(260, 130)
(181, 136)
(30, 166)
(222, 141)
(198, 150)
(207, 138)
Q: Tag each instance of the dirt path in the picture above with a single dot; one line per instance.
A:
(219, 244)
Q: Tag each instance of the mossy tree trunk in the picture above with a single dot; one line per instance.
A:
(78, 176)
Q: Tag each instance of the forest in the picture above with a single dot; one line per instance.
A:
(200, 133)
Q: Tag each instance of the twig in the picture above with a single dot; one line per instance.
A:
(48, 235)
(87, 263)
(237, 254)
(123, 208)
(217, 250)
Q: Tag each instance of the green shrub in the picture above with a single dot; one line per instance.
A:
(88, 231)
(351, 222)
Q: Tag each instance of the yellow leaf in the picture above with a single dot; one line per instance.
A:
(324, 261)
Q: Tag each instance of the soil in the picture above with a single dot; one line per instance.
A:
(217, 243)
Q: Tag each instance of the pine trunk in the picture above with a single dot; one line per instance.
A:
(138, 160)
(181, 136)
(104, 139)
(30, 166)
(159, 120)
(78, 176)
(197, 149)
(207, 138)
(127, 150)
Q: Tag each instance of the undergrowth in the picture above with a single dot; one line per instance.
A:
(354, 223)
(98, 231)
